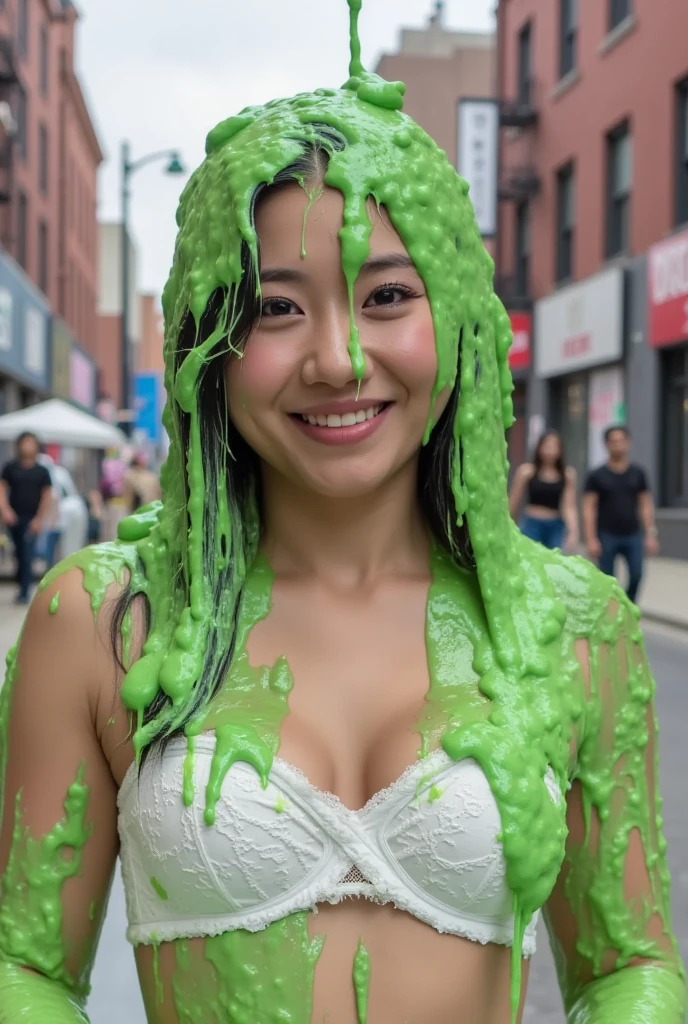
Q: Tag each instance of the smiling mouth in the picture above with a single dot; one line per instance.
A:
(347, 419)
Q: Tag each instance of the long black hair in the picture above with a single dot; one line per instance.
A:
(226, 454)
(560, 462)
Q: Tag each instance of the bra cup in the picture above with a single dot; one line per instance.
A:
(261, 846)
(446, 843)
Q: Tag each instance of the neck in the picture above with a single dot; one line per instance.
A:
(345, 542)
(27, 463)
(619, 464)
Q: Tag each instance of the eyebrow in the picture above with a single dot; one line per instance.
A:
(387, 261)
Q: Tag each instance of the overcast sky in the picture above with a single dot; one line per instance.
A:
(161, 73)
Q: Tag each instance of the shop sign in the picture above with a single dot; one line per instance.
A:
(667, 268)
(521, 330)
(580, 326)
(606, 408)
(147, 394)
(24, 325)
(61, 347)
(82, 379)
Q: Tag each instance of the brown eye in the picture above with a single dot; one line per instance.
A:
(279, 307)
(388, 296)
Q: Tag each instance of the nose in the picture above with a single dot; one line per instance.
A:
(329, 359)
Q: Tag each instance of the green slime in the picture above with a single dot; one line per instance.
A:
(506, 685)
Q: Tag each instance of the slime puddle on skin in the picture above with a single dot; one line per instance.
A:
(506, 687)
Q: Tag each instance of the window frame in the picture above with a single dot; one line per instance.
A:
(618, 202)
(617, 12)
(565, 231)
(44, 61)
(22, 123)
(22, 244)
(681, 155)
(43, 159)
(522, 247)
(23, 28)
(525, 64)
(568, 37)
(674, 427)
(43, 255)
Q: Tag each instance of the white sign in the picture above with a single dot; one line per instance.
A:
(605, 409)
(34, 341)
(5, 320)
(477, 159)
(581, 325)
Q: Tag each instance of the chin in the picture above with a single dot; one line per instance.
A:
(342, 485)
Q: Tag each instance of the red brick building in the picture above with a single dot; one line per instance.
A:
(594, 174)
(49, 158)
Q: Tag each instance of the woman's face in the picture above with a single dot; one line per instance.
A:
(550, 449)
(293, 396)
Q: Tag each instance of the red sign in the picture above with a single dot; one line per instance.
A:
(576, 347)
(668, 291)
(521, 328)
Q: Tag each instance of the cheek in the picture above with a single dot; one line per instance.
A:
(254, 381)
(413, 357)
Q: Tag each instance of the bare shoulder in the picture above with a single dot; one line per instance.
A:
(525, 471)
(571, 475)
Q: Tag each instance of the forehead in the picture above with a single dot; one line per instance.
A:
(314, 213)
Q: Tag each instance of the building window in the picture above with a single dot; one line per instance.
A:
(43, 256)
(619, 10)
(525, 64)
(22, 121)
(565, 222)
(619, 185)
(43, 70)
(23, 28)
(568, 36)
(43, 158)
(522, 261)
(22, 228)
(675, 426)
(681, 212)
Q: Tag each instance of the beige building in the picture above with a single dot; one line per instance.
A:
(441, 66)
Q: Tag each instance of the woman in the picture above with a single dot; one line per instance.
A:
(548, 486)
(319, 599)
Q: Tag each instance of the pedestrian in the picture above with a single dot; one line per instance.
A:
(141, 485)
(618, 511)
(348, 728)
(548, 487)
(25, 501)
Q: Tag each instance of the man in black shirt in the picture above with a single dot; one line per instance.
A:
(618, 511)
(25, 494)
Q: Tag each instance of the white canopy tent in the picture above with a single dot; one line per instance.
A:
(58, 422)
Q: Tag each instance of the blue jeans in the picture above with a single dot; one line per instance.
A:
(629, 547)
(24, 542)
(548, 532)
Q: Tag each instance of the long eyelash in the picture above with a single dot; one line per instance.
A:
(396, 284)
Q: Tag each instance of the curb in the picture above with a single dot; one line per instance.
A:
(664, 620)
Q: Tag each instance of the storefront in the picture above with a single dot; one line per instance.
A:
(668, 334)
(519, 363)
(24, 324)
(579, 346)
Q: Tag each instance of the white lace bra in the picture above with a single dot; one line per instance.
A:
(428, 844)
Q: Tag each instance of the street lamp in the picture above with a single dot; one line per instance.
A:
(129, 167)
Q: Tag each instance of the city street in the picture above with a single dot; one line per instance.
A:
(115, 987)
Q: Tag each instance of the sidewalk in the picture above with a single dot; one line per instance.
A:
(663, 598)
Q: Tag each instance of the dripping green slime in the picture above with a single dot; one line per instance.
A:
(506, 685)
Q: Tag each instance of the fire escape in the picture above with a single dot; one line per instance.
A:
(9, 103)
(519, 183)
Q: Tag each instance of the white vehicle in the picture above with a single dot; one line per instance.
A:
(72, 511)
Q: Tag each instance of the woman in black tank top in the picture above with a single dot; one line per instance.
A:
(546, 487)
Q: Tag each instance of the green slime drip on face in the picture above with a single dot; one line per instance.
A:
(362, 982)
(246, 977)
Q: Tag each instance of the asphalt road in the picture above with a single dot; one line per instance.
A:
(116, 998)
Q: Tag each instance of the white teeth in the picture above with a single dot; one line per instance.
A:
(349, 419)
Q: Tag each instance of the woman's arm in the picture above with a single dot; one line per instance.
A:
(609, 916)
(569, 510)
(58, 842)
(518, 487)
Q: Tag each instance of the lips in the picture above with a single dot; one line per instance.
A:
(345, 426)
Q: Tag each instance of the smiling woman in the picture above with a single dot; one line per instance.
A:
(352, 729)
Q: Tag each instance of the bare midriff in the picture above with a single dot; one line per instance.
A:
(418, 975)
